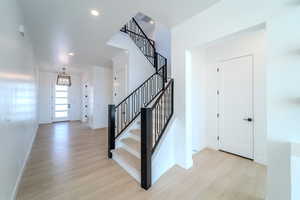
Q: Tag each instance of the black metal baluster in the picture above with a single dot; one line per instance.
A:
(117, 121)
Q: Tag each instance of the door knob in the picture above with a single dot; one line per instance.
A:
(248, 119)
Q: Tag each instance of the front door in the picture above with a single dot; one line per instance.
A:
(61, 103)
(236, 106)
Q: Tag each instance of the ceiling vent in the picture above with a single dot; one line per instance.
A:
(144, 18)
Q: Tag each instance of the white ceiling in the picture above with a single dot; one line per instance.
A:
(57, 27)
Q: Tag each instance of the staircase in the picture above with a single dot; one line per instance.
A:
(137, 124)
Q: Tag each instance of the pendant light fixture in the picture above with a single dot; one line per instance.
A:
(63, 78)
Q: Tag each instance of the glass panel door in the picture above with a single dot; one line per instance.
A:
(61, 103)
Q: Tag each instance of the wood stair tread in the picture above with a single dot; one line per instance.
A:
(128, 158)
(132, 144)
(136, 132)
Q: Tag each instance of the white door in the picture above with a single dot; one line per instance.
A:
(236, 106)
(61, 103)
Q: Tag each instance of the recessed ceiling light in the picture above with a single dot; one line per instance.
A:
(151, 22)
(71, 54)
(95, 12)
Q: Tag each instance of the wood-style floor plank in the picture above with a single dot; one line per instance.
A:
(69, 162)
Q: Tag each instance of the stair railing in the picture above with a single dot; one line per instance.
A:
(145, 44)
(122, 115)
(160, 62)
(154, 121)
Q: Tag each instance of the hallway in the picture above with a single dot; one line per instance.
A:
(69, 161)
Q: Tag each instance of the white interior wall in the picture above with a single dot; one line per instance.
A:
(120, 74)
(197, 86)
(46, 97)
(252, 43)
(162, 37)
(75, 98)
(295, 166)
(283, 100)
(209, 26)
(139, 68)
(90, 78)
(100, 95)
(18, 102)
(295, 175)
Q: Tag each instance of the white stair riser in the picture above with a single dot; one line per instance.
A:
(133, 172)
(133, 136)
(131, 150)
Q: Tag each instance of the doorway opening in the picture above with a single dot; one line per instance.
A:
(226, 94)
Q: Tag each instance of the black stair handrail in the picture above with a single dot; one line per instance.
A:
(143, 32)
(140, 29)
(145, 44)
(154, 121)
(125, 30)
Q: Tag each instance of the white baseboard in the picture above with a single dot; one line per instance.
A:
(15, 191)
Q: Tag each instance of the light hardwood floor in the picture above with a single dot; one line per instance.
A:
(68, 161)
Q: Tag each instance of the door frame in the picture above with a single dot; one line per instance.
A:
(218, 102)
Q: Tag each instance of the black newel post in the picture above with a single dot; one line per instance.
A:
(111, 129)
(146, 147)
